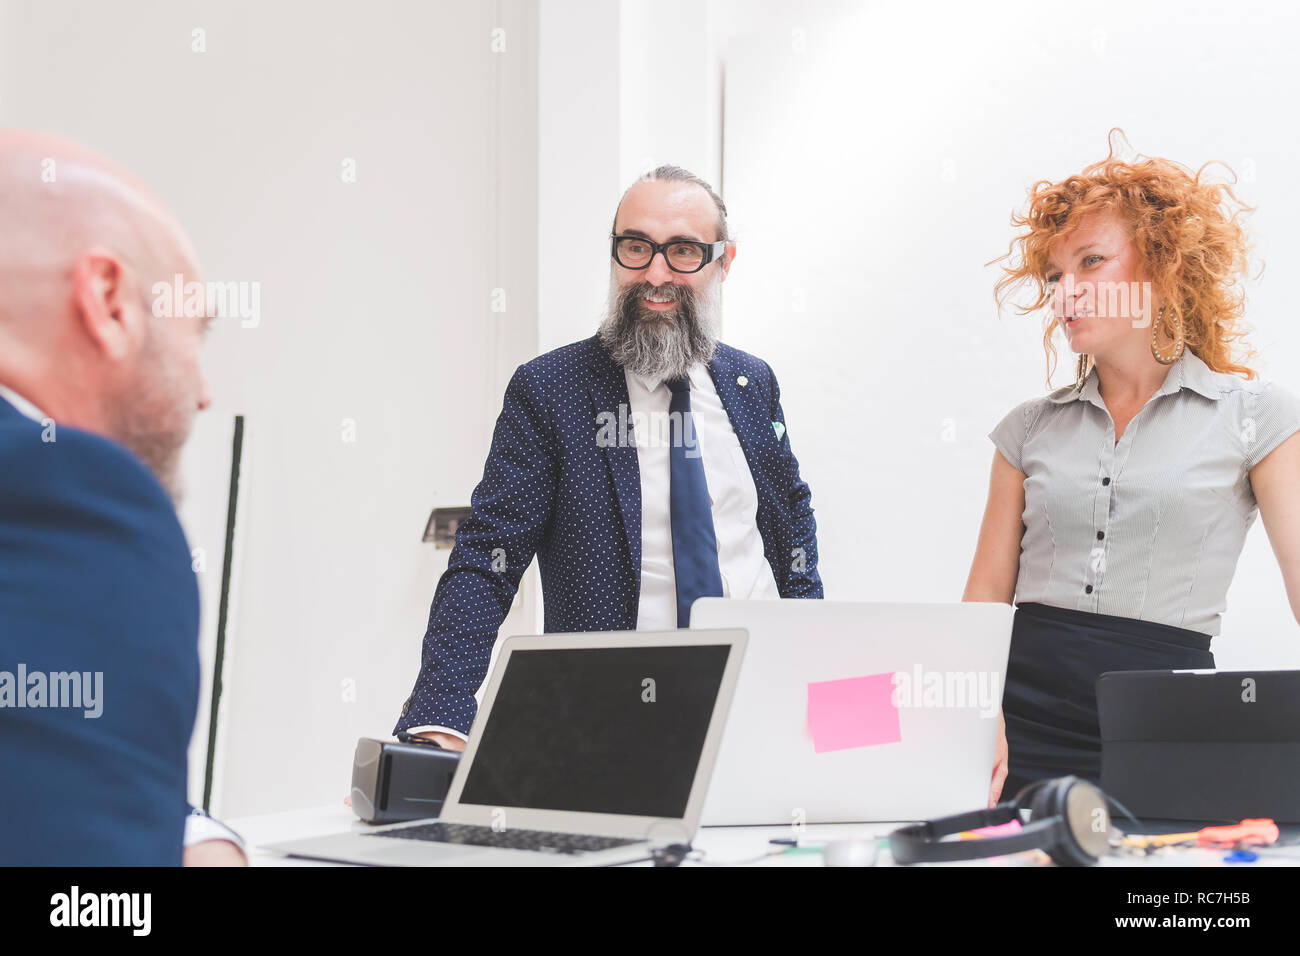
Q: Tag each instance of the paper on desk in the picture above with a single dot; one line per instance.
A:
(854, 712)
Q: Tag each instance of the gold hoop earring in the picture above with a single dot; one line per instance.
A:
(1178, 340)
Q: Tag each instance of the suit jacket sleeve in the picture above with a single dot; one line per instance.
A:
(801, 578)
(511, 509)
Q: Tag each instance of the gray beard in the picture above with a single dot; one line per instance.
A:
(642, 342)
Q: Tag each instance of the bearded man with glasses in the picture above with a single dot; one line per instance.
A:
(645, 467)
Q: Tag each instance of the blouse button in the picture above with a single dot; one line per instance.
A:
(1101, 535)
(1105, 481)
(1088, 589)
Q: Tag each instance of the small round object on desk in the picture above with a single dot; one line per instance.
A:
(850, 853)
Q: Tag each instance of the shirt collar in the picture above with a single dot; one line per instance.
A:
(23, 406)
(650, 384)
(1188, 372)
(1198, 377)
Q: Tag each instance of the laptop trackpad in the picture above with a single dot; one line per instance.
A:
(387, 851)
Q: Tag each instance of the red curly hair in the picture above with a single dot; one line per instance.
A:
(1187, 235)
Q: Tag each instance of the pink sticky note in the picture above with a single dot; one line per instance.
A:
(855, 712)
(1001, 829)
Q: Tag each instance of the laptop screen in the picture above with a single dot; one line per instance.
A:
(598, 730)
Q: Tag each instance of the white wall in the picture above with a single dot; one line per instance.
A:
(577, 164)
(893, 141)
(622, 87)
(670, 73)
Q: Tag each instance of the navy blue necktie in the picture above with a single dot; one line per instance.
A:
(695, 547)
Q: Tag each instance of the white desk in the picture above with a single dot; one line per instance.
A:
(721, 845)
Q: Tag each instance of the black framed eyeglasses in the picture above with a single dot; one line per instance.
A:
(682, 255)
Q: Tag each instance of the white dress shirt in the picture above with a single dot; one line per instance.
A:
(744, 569)
(25, 407)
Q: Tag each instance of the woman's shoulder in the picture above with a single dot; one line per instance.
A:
(1252, 395)
(1027, 417)
(1260, 412)
(1040, 406)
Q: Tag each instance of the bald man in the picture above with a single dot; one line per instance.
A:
(99, 611)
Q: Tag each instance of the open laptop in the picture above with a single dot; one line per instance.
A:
(588, 750)
(1202, 745)
(821, 731)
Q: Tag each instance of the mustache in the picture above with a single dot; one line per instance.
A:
(633, 294)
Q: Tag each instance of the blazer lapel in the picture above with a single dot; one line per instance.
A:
(610, 404)
(749, 418)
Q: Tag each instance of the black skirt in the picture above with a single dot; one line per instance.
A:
(1050, 698)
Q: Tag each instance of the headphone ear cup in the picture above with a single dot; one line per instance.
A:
(1054, 801)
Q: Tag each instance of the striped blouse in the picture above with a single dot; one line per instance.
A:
(1150, 528)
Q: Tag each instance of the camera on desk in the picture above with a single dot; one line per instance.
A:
(400, 780)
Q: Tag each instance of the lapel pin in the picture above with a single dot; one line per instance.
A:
(742, 381)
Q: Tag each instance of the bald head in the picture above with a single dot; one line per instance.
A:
(82, 242)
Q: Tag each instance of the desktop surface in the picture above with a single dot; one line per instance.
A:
(748, 845)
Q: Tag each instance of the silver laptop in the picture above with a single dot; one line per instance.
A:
(857, 712)
(588, 750)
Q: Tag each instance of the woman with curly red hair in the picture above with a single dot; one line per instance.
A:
(1118, 506)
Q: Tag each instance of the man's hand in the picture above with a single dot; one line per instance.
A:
(999, 762)
(213, 853)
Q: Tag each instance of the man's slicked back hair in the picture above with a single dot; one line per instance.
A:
(676, 174)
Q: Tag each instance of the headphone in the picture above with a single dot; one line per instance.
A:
(1068, 820)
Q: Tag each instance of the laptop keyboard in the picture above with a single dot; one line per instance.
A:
(537, 840)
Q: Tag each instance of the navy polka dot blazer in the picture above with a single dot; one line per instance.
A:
(549, 488)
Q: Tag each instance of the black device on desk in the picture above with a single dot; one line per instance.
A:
(1202, 745)
(400, 780)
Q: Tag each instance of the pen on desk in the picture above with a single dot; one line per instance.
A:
(796, 844)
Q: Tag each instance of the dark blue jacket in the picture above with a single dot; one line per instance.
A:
(95, 576)
(552, 489)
